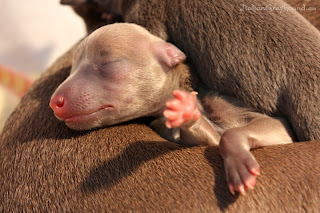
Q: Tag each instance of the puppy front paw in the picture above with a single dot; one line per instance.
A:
(181, 109)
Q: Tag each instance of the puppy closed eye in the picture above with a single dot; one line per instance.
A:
(114, 68)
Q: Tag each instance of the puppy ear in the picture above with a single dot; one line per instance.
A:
(168, 54)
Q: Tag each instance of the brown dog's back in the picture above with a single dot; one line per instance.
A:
(47, 167)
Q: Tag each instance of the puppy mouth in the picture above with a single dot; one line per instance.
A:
(88, 118)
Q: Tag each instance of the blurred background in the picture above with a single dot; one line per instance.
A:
(33, 34)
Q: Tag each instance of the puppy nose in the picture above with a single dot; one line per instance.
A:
(57, 102)
(58, 105)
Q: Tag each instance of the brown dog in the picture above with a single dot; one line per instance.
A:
(47, 167)
(96, 14)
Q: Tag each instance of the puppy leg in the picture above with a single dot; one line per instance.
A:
(235, 144)
(183, 112)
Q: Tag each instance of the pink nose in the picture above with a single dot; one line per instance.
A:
(57, 105)
(57, 102)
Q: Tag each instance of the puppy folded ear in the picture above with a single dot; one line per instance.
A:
(168, 54)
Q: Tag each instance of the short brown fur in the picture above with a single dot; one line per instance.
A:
(61, 170)
(47, 167)
(310, 9)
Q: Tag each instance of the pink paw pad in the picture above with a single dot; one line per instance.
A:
(181, 109)
(241, 173)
